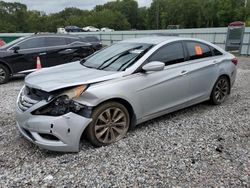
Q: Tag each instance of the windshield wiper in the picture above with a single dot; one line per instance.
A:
(132, 60)
(122, 65)
(82, 63)
(119, 56)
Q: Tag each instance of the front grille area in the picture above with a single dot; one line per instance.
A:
(24, 101)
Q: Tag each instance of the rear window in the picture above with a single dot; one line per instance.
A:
(216, 52)
(198, 50)
(90, 39)
(72, 40)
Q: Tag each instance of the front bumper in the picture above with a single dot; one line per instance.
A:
(62, 133)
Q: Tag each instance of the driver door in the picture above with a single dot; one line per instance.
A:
(24, 59)
(166, 89)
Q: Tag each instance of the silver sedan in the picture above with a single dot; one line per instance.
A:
(119, 87)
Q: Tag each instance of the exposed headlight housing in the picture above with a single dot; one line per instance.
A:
(63, 103)
(71, 93)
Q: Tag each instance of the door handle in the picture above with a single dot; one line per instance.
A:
(184, 72)
(43, 53)
(67, 50)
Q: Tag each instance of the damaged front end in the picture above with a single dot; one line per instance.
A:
(62, 102)
(53, 120)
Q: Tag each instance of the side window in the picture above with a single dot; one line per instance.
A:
(198, 50)
(216, 52)
(169, 54)
(71, 40)
(32, 43)
(55, 41)
(92, 39)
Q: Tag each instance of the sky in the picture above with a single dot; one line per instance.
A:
(52, 6)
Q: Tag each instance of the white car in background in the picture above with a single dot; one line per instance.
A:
(106, 29)
(61, 30)
(90, 29)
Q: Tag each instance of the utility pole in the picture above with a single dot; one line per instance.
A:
(245, 15)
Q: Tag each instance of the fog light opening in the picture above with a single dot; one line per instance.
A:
(49, 137)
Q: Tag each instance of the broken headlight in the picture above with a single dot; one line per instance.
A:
(64, 103)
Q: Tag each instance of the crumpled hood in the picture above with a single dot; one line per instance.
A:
(71, 74)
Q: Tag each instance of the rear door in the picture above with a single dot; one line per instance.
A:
(61, 50)
(56, 51)
(203, 69)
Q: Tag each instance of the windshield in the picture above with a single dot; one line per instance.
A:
(11, 43)
(117, 57)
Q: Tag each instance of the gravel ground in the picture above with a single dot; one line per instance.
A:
(203, 145)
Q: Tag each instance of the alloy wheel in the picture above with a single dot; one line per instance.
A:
(221, 90)
(111, 125)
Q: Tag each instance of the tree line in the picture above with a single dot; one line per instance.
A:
(126, 14)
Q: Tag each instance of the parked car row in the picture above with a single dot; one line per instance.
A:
(118, 87)
(68, 29)
(19, 56)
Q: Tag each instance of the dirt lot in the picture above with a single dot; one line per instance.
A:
(203, 145)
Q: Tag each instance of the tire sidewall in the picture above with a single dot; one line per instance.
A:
(212, 97)
(7, 74)
(96, 112)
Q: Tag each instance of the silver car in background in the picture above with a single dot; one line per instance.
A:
(119, 87)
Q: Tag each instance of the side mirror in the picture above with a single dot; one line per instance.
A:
(16, 48)
(154, 66)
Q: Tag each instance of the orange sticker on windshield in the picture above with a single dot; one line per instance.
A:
(198, 50)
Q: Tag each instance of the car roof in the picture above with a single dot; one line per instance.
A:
(159, 39)
(52, 35)
(152, 39)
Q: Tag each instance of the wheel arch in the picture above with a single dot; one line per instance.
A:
(7, 66)
(127, 105)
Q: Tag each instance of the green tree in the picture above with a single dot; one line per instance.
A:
(125, 14)
(109, 18)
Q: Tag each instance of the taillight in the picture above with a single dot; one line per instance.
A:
(235, 61)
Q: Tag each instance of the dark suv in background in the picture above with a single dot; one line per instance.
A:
(20, 56)
(73, 28)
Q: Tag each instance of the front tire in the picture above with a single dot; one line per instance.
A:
(4, 74)
(110, 123)
(220, 91)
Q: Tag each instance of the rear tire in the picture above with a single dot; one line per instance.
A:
(4, 74)
(220, 90)
(110, 123)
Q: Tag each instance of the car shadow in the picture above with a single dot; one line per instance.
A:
(204, 106)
